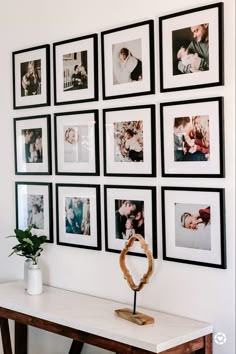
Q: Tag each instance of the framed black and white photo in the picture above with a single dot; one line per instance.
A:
(78, 215)
(31, 77)
(76, 143)
(191, 48)
(192, 138)
(194, 226)
(130, 210)
(34, 207)
(129, 141)
(32, 142)
(128, 60)
(76, 70)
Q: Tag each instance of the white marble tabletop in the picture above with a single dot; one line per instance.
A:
(96, 315)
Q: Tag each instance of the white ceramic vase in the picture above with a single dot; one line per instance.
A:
(28, 262)
(35, 280)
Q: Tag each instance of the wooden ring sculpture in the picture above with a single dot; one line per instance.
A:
(124, 269)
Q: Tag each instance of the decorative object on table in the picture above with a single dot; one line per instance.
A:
(31, 77)
(77, 143)
(30, 247)
(192, 138)
(128, 60)
(191, 48)
(34, 207)
(76, 70)
(32, 139)
(78, 215)
(130, 210)
(129, 141)
(133, 316)
(194, 226)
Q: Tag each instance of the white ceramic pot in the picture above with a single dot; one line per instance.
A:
(28, 262)
(34, 281)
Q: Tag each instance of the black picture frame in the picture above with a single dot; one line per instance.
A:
(197, 149)
(83, 201)
(202, 66)
(136, 120)
(140, 78)
(32, 197)
(76, 59)
(31, 77)
(78, 155)
(139, 202)
(32, 145)
(193, 221)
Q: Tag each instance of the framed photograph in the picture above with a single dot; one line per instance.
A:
(128, 60)
(77, 143)
(78, 215)
(32, 140)
(129, 141)
(191, 48)
(192, 138)
(130, 210)
(31, 77)
(194, 226)
(76, 70)
(34, 207)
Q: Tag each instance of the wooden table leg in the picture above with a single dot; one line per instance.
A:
(21, 336)
(6, 340)
(76, 347)
(208, 345)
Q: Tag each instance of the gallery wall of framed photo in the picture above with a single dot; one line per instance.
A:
(115, 153)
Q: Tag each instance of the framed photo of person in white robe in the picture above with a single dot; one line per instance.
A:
(128, 60)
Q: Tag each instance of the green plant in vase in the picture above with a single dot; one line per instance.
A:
(29, 245)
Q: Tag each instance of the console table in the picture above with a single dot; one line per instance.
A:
(89, 319)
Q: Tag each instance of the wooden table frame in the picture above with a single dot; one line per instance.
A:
(201, 345)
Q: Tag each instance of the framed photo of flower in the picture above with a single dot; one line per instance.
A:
(191, 48)
(128, 60)
(129, 141)
(194, 226)
(32, 142)
(130, 210)
(76, 143)
(76, 70)
(34, 207)
(31, 77)
(78, 215)
(192, 138)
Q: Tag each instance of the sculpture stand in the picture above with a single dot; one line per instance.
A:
(133, 316)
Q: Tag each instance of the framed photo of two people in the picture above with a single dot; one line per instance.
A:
(191, 48)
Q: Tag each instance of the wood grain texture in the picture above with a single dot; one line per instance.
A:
(137, 318)
(5, 332)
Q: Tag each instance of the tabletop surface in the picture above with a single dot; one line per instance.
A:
(96, 315)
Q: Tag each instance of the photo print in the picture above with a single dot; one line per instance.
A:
(75, 71)
(35, 210)
(77, 216)
(31, 78)
(127, 61)
(33, 149)
(76, 143)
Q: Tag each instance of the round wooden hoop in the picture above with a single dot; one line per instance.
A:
(124, 269)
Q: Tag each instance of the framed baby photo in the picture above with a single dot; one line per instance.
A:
(32, 142)
(78, 215)
(130, 210)
(192, 143)
(31, 77)
(34, 207)
(129, 141)
(76, 70)
(194, 226)
(128, 60)
(76, 143)
(191, 48)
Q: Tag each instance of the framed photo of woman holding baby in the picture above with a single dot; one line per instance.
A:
(191, 48)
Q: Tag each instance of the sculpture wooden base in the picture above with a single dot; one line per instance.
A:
(138, 318)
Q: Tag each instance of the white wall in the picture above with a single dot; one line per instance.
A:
(198, 292)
